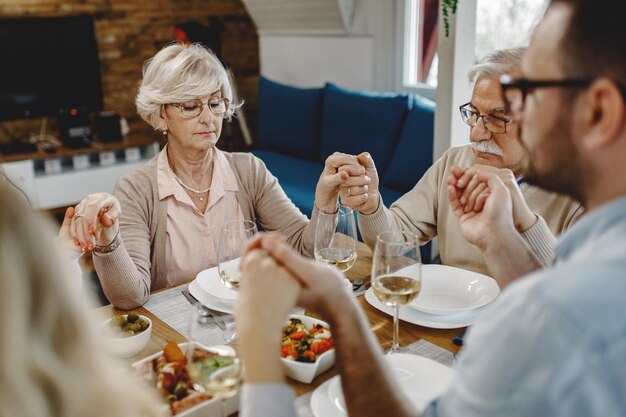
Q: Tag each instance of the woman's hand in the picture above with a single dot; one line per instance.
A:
(95, 221)
(264, 283)
(340, 171)
(362, 198)
(469, 181)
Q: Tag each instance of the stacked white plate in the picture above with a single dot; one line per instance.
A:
(450, 298)
(209, 289)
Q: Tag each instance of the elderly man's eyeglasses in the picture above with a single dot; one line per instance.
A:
(193, 108)
(515, 90)
(494, 124)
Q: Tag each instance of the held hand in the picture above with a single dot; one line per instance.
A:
(264, 283)
(523, 217)
(493, 221)
(65, 238)
(323, 287)
(266, 295)
(95, 221)
(364, 199)
(332, 178)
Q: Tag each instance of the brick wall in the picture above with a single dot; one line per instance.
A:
(130, 31)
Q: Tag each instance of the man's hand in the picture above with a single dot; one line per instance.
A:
(469, 181)
(491, 209)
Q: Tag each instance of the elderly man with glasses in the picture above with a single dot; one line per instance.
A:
(425, 210)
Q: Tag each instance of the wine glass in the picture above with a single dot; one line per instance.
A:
(233, 238)
(335, 238)
(218, 373)
(396, 273)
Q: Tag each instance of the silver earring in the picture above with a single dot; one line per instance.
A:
(164, 132)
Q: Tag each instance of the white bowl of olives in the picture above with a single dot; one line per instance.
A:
(127, 334)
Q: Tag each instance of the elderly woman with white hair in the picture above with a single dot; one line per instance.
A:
(161, 225)
(494, 146)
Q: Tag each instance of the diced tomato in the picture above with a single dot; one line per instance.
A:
(321, 345)
(297, 335)
(288, 350)
(309, 354)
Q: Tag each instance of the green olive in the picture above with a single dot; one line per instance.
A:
(132, 317)
(119, 321)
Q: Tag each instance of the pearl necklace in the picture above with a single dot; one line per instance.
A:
(193, 190)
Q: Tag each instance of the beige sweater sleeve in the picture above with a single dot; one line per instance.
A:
(125, 272)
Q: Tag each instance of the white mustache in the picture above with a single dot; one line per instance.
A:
(487, 146)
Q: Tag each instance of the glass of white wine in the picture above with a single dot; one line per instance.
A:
(396, 273)
(335, 238)
(216, 371)
(233, 238)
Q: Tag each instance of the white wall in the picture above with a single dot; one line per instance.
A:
(362, 59)
(310, 61)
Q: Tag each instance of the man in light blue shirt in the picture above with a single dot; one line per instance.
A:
(557, 344)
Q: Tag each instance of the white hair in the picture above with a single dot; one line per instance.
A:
(178, 73)
(51, 361)
(496, 63)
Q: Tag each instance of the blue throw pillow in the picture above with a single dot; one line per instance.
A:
(414, 153)
(355, 122)
(289, 119)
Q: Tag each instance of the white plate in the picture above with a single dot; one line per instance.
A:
(210, 408)
(210, 281)
(449, 290)
(219, 304)
(453, 321)
(421, 379)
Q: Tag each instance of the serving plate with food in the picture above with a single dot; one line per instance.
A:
(169, 373)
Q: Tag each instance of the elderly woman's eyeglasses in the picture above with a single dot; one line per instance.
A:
(494, 124)
(515, 90)
(193, 108)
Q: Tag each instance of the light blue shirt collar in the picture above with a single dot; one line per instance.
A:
(590, 226)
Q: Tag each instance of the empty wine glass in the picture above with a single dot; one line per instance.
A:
(396, 273)
(335, 238)
(216, 370)
(233, 238)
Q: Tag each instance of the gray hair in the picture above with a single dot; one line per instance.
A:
(51, 361)
(496, 63)
(178, 73)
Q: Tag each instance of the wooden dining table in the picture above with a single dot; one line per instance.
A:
(381, 325)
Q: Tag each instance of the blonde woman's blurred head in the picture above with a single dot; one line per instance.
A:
(51, 363)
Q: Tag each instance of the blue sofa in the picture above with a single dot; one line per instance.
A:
(298, 128)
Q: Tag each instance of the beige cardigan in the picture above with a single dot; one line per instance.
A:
(136, 267)
(425, 210)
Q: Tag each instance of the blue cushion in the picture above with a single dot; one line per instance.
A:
(297, 177)
(414, 153)
(289, 119)
(354, 122)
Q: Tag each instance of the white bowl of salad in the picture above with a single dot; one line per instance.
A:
(307, 348)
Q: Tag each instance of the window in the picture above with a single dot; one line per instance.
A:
(420, 41)
(505, 23)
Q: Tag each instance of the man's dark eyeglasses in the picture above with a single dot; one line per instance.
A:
(494, 124)
(515, 90)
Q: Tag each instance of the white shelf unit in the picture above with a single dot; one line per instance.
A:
(69, 186)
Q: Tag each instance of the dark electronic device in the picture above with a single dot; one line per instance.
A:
(108, 128)
(48, 64)
(74, 128)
